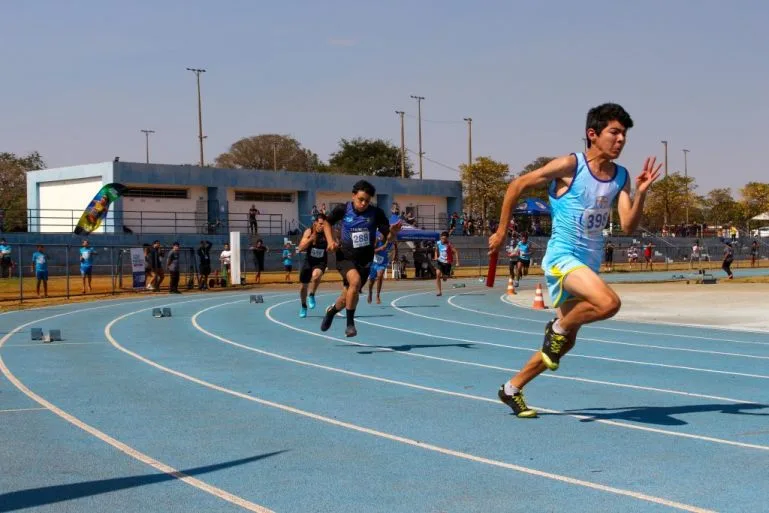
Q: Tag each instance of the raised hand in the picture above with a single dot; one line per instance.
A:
(648, 175)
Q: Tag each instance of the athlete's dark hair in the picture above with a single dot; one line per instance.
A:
(444, 234)
(599, 117)
(363, 185)
(320, 216)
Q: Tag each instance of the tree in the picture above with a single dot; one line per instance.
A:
(371, 157)
(269, 151)
(667, 199)
(722, 209)
(755, 199)
(489, 180)
(13, 188)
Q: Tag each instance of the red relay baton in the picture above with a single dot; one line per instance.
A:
(492, 269)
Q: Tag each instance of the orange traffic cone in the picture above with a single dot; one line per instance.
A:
(539, 301)
(510, 288)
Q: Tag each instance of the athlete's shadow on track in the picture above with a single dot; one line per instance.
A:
(409, 347)
(664, 415)
(33, 497)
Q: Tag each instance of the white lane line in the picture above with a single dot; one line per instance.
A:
(621, 424)
(616, 360)
(56, 344)
(402, 439)
(126, 449)
(14, 410)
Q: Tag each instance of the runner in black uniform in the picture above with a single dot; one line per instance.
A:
(354, 254)
(315, 262)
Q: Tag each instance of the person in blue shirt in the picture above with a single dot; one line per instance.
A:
(379, 266)
(288, 260)
(5, 259)
(354, 253)
(86, 264)
(582, 188)
(40, 268)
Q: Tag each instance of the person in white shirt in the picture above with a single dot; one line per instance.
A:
(225, 258)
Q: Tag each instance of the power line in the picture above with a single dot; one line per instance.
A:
(434, 121)
(435, 161)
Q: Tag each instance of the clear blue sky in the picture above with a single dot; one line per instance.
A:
(82, 78)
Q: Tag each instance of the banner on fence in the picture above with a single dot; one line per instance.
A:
(137, 267)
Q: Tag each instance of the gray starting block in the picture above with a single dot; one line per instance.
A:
(54, 335)
(166, 312)
(708, 279)
(36, 334)
(256, 299)
(458, 285)
(157, 313)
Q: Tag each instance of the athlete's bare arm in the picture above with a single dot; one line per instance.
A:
(560, 169)
(307, 238)
(630, 210)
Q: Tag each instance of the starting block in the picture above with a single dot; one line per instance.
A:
(36, 334)
(708, 279)
(166, 312)
(54, 335)
(458, 286)
(158, 313)
(256, 299)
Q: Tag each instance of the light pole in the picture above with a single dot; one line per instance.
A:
(665, 214)
(274, 157)
(200, 113)
(469, 157)
(147, 142)
(584, 141)
(403, 144)
(686, 179)
(419, 118)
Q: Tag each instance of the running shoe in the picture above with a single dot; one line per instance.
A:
(552, 347)
(303, 312)
(517, 403)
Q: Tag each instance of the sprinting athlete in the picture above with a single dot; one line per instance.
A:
(446, 255)
(379, 266)
(524, 258)
(355, 251)
(513, 253)
(582, 188)
(315, 262)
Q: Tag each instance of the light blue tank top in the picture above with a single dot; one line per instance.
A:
(580, 214)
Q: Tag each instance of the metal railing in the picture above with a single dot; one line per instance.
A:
(148, 221)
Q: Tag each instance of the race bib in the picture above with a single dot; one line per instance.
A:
(317, 252)
(41, 260)
(360, 239)
(593, 220)
(378, 259)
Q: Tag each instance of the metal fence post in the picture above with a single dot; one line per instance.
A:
(66, 263)
(21, 276)
(112, 268)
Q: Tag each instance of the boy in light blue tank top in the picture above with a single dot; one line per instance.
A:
(582, 190)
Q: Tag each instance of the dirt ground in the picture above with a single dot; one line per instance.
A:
(738, 304)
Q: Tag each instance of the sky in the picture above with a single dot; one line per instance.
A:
(82, 78)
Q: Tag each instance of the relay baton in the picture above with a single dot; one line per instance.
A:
(492, 269)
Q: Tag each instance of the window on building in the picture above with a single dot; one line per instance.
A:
(273, 197)
(149, 192)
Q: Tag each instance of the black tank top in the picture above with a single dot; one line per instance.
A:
(316, 252)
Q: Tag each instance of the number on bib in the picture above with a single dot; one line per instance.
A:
(360, 239)
(378, 259)
(317, 252)
(593, 220)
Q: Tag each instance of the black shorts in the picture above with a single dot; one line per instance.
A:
(205, 269)
(344, 265)
(513, 264)
(259, 265)
(525, 263)
(305, 275)
(288, 268)
(444, 268)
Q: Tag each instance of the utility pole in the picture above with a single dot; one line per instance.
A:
(274, 156)
(469, 157)
(147, 142)
(403, 144)
(584, 141)
(200, 113)
(419, 117)
(686, 178)
(665, 216)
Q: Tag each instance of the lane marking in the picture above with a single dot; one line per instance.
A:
(126, 449)
(401, 439)
(621, 424)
